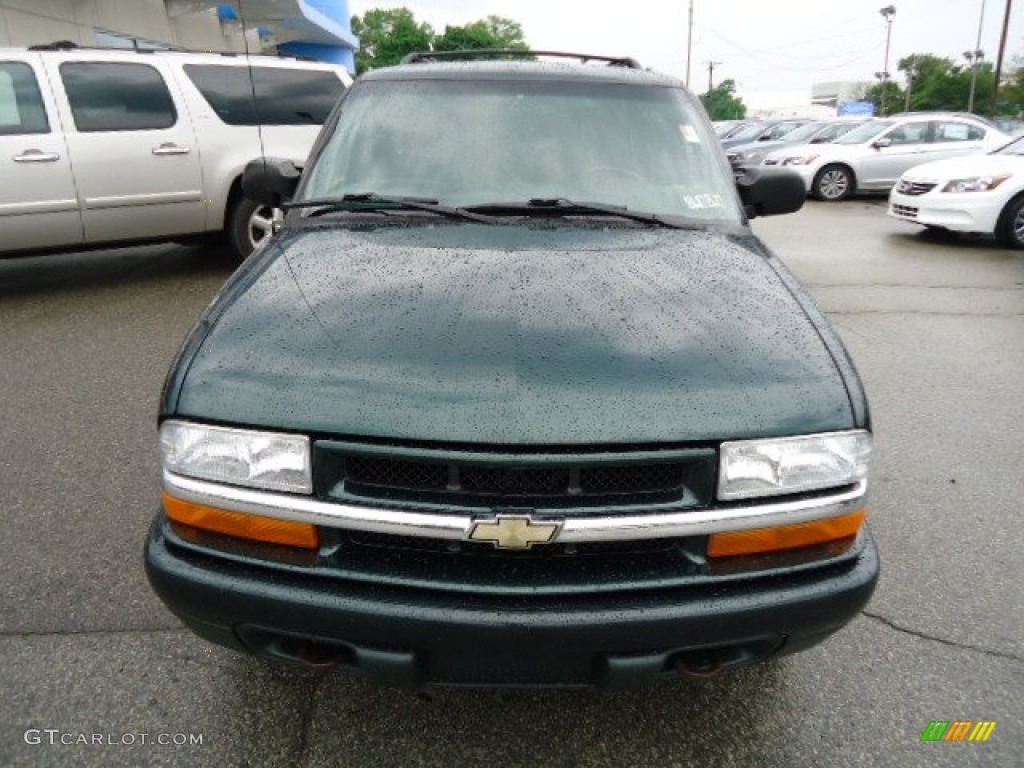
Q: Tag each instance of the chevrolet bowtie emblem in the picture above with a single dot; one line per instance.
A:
(514, 531)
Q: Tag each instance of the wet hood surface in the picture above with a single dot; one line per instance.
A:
(515, 335)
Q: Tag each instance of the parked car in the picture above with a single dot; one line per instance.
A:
(1011, 127)
(764, 130)
(734, 127)
(722, 127)
(102, 147)
(818, 132)
(980, 193)
(515, 396)
(871, 157)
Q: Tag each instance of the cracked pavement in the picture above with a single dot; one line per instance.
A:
(937, 330)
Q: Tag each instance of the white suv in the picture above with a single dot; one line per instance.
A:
(873, 156)
(111, 146)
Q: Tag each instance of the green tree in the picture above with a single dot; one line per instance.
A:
(492, 32)
(1011, 92)
(887, 97)
(934, 83)
(941, 83)
(722, 103)
(385, 36)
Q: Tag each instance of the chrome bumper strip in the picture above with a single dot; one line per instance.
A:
(575, 529)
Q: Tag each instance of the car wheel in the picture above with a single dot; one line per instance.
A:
(1010, 229)
(249, 224)
(832, 183)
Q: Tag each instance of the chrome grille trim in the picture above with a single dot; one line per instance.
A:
(913, 188)
(692, 522)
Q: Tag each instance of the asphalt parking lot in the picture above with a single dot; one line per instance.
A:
(936, 327)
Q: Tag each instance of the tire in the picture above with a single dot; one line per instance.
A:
(249, 223)
(833, 183)
(1010, 228)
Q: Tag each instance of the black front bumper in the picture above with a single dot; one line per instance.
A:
(413, 636)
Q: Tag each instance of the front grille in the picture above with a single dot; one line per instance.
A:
(385, 473)
(515, 481)
(489, 480)
(447, 479)
(644, 478)
(906, 211)
(914, 188)
(481, 549)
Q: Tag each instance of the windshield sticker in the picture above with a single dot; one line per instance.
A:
(700, 202)
(689, 134)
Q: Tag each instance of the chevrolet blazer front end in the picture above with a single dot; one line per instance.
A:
(534, 442)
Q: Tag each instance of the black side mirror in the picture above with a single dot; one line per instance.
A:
(270, 180)
(770, 191)
(881, 143)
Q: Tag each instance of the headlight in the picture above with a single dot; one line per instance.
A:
(750, 468)
(806, 160)
(753, 157)
(237, 456)
(975, 183)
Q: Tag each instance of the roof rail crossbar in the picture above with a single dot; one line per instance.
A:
(69, 45)
(422, 57)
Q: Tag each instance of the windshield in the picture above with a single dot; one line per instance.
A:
(865, 132)
(1013, 148)
(750, 133)
(465, 143)
(804, 132)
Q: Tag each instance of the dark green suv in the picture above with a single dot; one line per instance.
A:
(515, 396)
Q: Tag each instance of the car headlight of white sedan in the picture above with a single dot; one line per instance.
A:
(975, 183)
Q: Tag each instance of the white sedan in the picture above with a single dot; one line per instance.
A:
(979, 193)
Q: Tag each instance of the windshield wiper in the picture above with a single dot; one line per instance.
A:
(564, 207)
(371, 201)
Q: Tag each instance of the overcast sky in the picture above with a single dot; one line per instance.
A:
(764, 45)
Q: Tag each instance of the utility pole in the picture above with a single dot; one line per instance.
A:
(999, 59)
(974, 59)
(887, 13)
(689, 43)
(711, 73)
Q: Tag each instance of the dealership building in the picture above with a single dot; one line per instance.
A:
(318, 29)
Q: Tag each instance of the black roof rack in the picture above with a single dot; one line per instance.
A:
(69, 45)
(422, 57)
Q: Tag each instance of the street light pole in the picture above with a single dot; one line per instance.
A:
(883, 79)
(887, 13)
(978, 54)
(912, 72)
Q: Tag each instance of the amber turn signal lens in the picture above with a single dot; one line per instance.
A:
(253, 527)
(807, 534)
